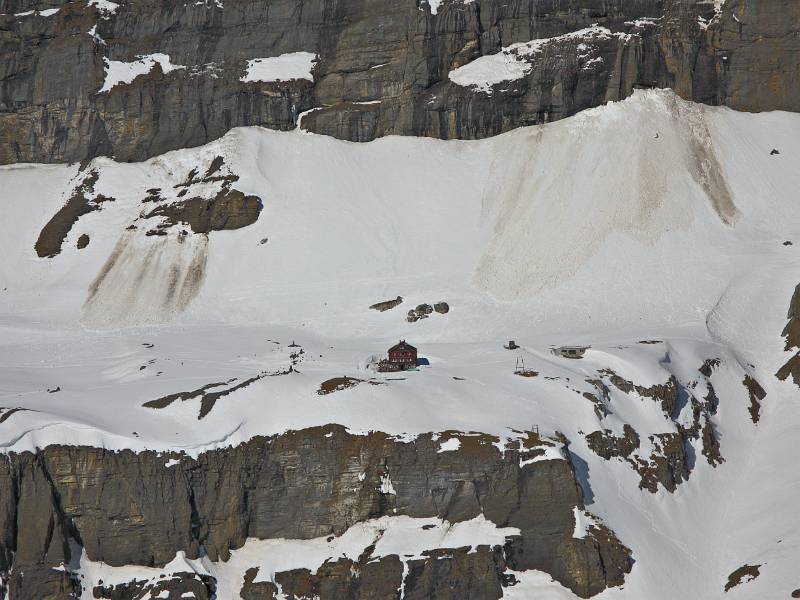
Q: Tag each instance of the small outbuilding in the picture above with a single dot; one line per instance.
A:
(570, 351)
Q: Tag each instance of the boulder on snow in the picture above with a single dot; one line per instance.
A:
(83, 241)
(743, 574)
(442, 308)
(387, 304)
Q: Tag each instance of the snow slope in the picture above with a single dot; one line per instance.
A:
(647, 219)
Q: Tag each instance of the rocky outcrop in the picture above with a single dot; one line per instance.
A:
(741, 575)
(670, 460)
(791, 332)
(667, 464)
(665, 394)
(387, 304)
(757, 394)
(606, 445)
(82, 201)
(382, 67)
(257, 590)
(229, 209)
(126, 508)
(177, 586)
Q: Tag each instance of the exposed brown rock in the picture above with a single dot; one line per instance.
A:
(338, 384)
(7, 412)
(601, 399)
(757, 394)
(792, 367)
(792, 330)
(457, 573)
(387, 304)
(229, 209)
(743, 574)
(711, 400)
(708, 366)
(177, 586)
(665, 393)
(711, 447)
(81, 202)
(367, 579)
(526, 373)
(424, 309)
(252, 590)
(208, 398)
(606, 445)
(668, 465)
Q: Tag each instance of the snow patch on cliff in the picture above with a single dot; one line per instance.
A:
(286, 67)
(106, 7)
(122, 72)
(516, 61)
(47, 12)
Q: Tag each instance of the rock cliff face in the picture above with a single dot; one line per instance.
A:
(141, 509)
(382, 67)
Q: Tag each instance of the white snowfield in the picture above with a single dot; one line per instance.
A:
(286, 67)
(648, 219)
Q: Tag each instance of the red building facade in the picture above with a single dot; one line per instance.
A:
(404, 355)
